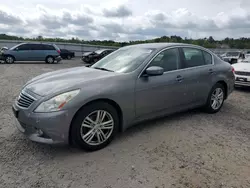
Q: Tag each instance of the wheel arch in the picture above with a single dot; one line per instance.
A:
(6, 55)
(222, 82)
(109, 101)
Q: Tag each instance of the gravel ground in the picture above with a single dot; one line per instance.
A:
(190, 149)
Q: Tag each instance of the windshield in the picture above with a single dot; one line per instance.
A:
(12, 48)
(99, 51)
(124, 60)
(232, 53)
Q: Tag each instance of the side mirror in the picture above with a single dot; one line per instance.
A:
(154, 71)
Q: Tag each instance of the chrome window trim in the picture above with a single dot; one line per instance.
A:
(170, 47)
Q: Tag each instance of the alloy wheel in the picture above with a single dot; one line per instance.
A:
(217, 98)
(50, 60)
(97, 127)
(9, 60)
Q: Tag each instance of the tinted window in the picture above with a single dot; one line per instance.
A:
(168, 59)
(207, 58)
(48, 47)
(24, 47)
(193, 57)
(36, 47)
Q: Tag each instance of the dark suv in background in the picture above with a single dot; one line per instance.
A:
(66, 54)
(92, 57)
(49, 53)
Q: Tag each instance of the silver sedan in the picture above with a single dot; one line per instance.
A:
(87, 106)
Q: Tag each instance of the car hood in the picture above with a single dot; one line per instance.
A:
(87, 53)
(61, 80)
(242, 67)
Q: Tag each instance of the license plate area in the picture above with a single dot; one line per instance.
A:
(241, 79)
(15, 112)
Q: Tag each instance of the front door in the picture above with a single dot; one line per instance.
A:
(163, 93)
(22, 52)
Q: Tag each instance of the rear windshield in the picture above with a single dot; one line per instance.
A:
(232, 53)
(56, 47)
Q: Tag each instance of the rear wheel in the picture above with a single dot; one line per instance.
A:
(50, 60)
(215, 99)
(69, 57)
(9, 59)
(94, 126)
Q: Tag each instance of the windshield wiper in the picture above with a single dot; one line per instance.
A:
(99, 68)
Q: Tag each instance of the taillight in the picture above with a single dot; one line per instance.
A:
(233, 70)
(59, 51)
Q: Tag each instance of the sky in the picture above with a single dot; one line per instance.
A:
(124, 20)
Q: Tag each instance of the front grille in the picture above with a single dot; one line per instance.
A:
(24, 100)
(242, 73)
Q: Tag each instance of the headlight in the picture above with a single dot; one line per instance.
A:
(56, 103)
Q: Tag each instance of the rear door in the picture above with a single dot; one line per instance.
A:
(37, 52)
(198, 70)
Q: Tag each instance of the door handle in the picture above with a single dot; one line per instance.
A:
(179, 78)
(211, 71)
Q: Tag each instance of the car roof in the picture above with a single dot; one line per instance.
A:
(162, 45)
(37, 43)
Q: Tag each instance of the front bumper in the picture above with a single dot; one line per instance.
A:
(47, 128)
(241, 80)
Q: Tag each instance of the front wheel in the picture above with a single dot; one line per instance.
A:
(94, 126)
(9, 59)
(215, 99)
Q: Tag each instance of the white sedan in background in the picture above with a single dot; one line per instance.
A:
(242, 72)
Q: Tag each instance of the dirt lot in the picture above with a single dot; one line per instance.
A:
(191, 149)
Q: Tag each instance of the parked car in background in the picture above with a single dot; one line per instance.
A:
(233, 57)
(242, 72)
(66, 54)
(87, 106)
(92, 57)
(3, 49)
(247, 54)
(49, 53)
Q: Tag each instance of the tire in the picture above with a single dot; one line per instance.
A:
(9, 59)
(79, 134)
(50, 60)
(69, 57)
(212, 107)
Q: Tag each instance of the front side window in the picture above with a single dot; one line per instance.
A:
(193, 57)
(168, 60)
(24, 47)
(124, 60)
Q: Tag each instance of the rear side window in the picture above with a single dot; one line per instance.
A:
(36, 47)
(193, 57)
(48, 47)
(208, 58)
